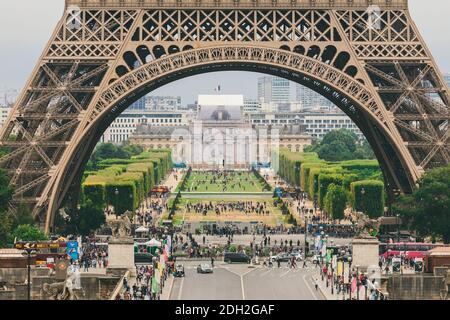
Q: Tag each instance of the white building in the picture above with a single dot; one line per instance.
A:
(125, 125)
(157, 103)
(319, 124)
(316, 124)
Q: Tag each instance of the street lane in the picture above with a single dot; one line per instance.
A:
(220, 285)
(280, 284)
(239, 282)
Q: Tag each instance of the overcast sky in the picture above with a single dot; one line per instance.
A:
(26, 26)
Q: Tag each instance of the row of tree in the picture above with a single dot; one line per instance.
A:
(18, 224)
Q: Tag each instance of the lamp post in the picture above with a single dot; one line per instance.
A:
(306, 236)
(116, 209)
(398, 227)
(29, 253)
(349, 268)
(357, 282)
(363, 192)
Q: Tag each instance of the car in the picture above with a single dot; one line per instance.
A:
(204, 268)
(316, 259)
(282, 257)
(236, 257)
(179, 271)
(298, 255)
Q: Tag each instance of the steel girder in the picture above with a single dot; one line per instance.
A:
(366, 56)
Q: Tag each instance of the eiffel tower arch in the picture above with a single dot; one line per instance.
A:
(366, 56)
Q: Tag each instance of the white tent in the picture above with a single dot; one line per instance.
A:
(142, 229)
(153, 243)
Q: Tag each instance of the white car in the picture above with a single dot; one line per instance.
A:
(205, 268)
(316, 259)
(298, 255)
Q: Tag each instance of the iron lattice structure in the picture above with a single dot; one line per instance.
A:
(366, 56)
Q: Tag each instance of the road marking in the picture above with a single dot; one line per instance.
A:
(309, 288)
(181, 289)
(285, 274)
(264, 273)
(242, 279)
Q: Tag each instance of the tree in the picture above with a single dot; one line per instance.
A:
(336, 201)
(347, 137)
(23, 216)
(6, 192)
(5, 228)
(335, 151)
(26, 232)
(341, 145)
(427, 209)
(84, 221)
(364, 151)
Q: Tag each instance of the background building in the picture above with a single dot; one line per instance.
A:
(309, 99)
(157, 103)
(4, 112)
(316, 124)
(125, 125)
(274, 90)
(447, 78)
(251, 106)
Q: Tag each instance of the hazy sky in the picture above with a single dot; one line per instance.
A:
(26, 26)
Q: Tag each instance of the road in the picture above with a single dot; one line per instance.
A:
(241, 282)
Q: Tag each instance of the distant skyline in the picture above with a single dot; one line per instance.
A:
(26, 26)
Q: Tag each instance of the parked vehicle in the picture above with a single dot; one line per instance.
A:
(179, 271)
(204, 268)
(235, 257)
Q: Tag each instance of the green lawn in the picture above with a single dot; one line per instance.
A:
(236, 181)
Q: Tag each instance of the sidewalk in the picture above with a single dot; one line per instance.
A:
(167, 289)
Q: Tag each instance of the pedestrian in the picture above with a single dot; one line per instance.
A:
(316, 284)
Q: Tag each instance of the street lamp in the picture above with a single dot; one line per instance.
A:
(363, 192)
(349, 268)
(398, 228)
(357, 282)
(116, 209)
(29, 253)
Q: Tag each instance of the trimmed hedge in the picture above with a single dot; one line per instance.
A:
(372, 202)
(325, 180)
(305, 171)
(290, 165)
(132, 178)
(336, 201)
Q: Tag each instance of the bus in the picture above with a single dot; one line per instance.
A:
(411, 250)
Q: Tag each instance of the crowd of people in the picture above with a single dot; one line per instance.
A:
(93, 256)
(247, 207)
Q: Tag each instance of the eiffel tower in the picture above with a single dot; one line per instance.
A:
(366, 56)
